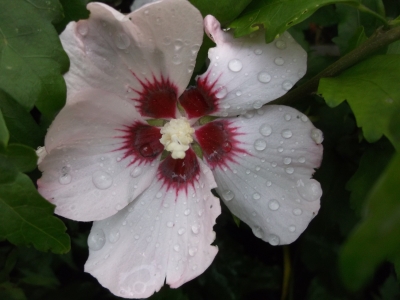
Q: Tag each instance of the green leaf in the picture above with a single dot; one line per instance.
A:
(23, 157)
(21, 125)
(372, 164)
(31, 57)
(277, 16)
(50, 10)
(357, 39)
(8, 171)
(4, 135)
(27, 218)
(74, 10)
(223, 10)
(10, 291)
(377, 236)
(371, 89)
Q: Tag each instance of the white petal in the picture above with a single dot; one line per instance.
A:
(115, 52)
(245, 73)
(88, 172)
(164, 234)
(265, 179)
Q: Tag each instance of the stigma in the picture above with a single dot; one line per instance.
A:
(176, 137)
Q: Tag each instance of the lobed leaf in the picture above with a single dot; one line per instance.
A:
(4, 134)
(277, 16)
(27, 218)
(371, 93)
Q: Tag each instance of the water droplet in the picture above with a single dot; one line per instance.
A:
(192, 251)
(102, 180)
(228, 195)
(258, 51)
(264, 77)
(302, 160)
(96, 239)
(113, 237)
(289, 170)
(235, 65)
(181, 231)
(287, 85)
(265, 129)
(280, 45)
(195, 48)
(274, 164)
(226, 147)
(287, 160)
(292, 228)
(195, 229)
(176, 59)
(238, 93)
(317, 135)
(280, 149)
(83, 28)
(273, 240)
(297, 211)
(65, 179)
(249, 114)
(136, 237)
(136, 172)
(304, 118)
(122, 40)
(310, 190)
(257, 104)
(279, 61)
(256, 196)
(146, 150)
(257, 231)
(269, 183)
(176, 248)
(178, 45)
(273, 204)
(221, 92)
(158, 195)
(170, 224)
(187, 212)
(287, 134)
(287, 117)
(260, 144)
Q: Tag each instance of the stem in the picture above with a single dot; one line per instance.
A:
(286, 272)
(378, 40)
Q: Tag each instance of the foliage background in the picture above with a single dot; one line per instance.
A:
(351, 250)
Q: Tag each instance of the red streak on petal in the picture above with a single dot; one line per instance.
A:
(200, 100)
(157, 98)
(179, 173)
(218, 140)
(141, 142)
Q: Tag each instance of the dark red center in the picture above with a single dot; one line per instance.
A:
(218, 141)
(157, 99)
(179, 173)
(200, 100)
(141, 142)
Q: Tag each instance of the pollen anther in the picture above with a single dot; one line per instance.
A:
(176, 137)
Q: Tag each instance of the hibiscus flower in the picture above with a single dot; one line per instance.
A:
(134, 151)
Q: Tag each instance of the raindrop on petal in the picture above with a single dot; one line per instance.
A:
(256, 196)
(273, 204)
(287, 160)
(265, 129)
(113, 237)
(280, 44)
(286, 134)
(221, 92)
(228, 195)
(122, 40)
(96, 239)
(65, 179)
(102, 180)
(260, 144)
(279, 61)
(289, 170)
(258, 51)
(136, 172)
(297, 211)
(264, 77)
(235, 65)
(287, 85)
(273, 240)
(317, 135)
(257, 231)
(195, 229)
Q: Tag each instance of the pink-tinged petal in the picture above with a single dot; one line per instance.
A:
(164, 235)
(146, 57)
(245, 73)
(100, 157)
(265, 178)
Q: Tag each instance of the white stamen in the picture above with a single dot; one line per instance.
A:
(176, 137)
